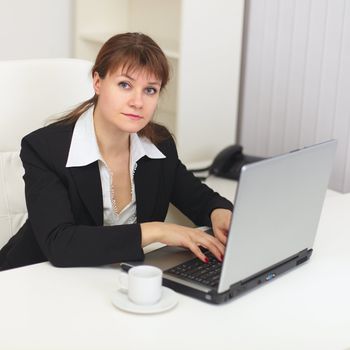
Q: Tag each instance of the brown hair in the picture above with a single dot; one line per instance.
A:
(130, 51)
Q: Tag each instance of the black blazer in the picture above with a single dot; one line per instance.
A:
(65, 206)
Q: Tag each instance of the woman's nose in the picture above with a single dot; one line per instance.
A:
(136, 99)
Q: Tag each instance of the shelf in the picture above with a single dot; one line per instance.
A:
(96, 38)
(166, 118)
(170, 47)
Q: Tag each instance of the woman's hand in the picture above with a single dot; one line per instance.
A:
(220, 220)
(176, 235)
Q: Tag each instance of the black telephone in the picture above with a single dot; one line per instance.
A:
(228, 163)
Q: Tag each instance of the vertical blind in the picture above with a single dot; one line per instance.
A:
(295, 88)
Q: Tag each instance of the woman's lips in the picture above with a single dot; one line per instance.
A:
(133, 116)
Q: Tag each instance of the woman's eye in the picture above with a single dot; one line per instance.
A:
(151, 91)
(124, 85)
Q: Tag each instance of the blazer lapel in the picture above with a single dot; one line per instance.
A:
(146, 179)
(88, 181)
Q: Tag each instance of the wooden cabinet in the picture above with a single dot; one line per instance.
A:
(202, 40)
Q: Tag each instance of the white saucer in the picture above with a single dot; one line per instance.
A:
(168, 300)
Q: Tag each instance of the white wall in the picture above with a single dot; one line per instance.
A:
(296, 79)
(35, 29)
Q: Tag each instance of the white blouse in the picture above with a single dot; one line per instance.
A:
(84, 150)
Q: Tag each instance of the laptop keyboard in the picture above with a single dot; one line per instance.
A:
(197, 271)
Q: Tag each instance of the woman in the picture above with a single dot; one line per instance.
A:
(98, 182)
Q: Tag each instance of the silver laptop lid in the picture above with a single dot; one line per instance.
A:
(277, 209)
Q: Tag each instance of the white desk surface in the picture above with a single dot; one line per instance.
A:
(42, 307)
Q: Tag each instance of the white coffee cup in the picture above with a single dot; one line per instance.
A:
(143, 284)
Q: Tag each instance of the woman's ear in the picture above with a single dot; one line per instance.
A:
(96, 83)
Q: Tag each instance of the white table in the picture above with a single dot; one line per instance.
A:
(42, 307)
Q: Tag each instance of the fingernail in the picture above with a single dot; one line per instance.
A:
(206, 260)
(222, 257)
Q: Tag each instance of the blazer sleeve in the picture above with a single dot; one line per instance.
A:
(194, 198)
(62, 240)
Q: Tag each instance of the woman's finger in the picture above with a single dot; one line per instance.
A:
(221, 236)
(197, 252)
(214, 240)
(213, 245)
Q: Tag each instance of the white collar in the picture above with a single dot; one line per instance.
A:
(84, 148)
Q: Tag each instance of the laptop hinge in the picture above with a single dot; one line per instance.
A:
(264, 276)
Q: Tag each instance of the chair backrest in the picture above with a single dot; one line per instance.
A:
(32, 92)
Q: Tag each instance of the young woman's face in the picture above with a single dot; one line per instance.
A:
(126, 101)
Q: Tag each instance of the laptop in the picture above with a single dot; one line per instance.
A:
(277, 207)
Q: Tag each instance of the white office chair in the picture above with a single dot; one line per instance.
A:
(31, 91)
